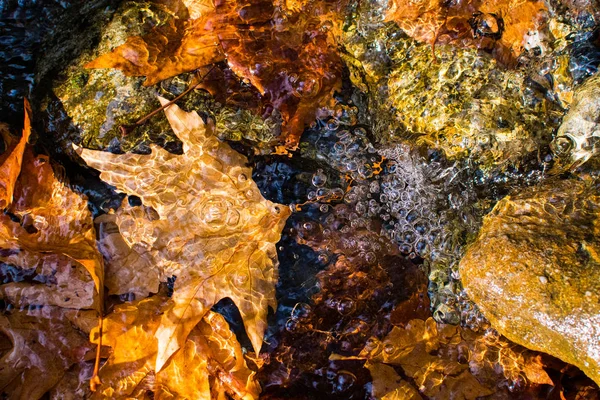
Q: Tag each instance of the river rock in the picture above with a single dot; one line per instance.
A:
(534, 271)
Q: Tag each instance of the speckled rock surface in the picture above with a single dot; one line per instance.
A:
(534, 271)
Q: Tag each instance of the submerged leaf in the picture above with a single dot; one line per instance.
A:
(388, 385)
(48, 218)
(169, 50)
(204, 221)
(10, 160)
(46, 342)
(449, 362)
(210, 360)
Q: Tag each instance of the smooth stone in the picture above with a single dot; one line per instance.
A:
(534, 271)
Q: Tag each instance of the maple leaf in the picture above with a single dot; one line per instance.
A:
(46, 342)
(10, 160)
(204, 221)
(295, 66)
(447, 362)
(210, 360)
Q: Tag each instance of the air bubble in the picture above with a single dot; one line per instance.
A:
(301, 311)
(346, 306)
(319, 178)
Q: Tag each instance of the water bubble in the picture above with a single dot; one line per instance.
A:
(301, 311)
(344, 381)
(323, 258)
(309, 226)
(333, 124)
(389, 349)
(412, 216)
(291, 325)
(346, 306)
(370, 257)
(319, 178)
(306, 85)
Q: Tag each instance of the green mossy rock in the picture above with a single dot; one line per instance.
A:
(534, 271)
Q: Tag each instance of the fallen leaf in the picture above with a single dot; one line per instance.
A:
(210, 360)
(46, 279)
(46, 342)
(388, 385)
(126, 270)
(168, 50)
(10, 160)
(294, 65)
(535, 372)
(448, 362)
(46, 217)
(204, 221)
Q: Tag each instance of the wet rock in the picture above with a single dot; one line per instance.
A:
(534, 271)
(579, 132)
(454, 100)
(461, 103)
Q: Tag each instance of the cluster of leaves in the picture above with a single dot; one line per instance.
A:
(445, 361)
(202, 220)
(47, 235)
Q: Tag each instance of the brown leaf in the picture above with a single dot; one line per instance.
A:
(52, 220)
(294, 65)
(10, 160)
(388, 385)
(210, 359)
(448, 362)
(204, 221)
(416, 349)
(45, 343)
(535, 372)
(59, 282)
(168, 50)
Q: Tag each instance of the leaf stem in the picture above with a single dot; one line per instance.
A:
(126, 129)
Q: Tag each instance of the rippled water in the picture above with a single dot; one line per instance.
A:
(375, 221)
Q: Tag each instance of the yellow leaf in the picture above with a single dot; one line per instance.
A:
(210, 358)
(10, 160)
(204, 221)
(388, 385)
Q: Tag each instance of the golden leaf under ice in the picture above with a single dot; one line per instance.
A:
(204, 221)
(209, 362)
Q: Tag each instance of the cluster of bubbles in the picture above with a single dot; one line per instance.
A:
(426, 206)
